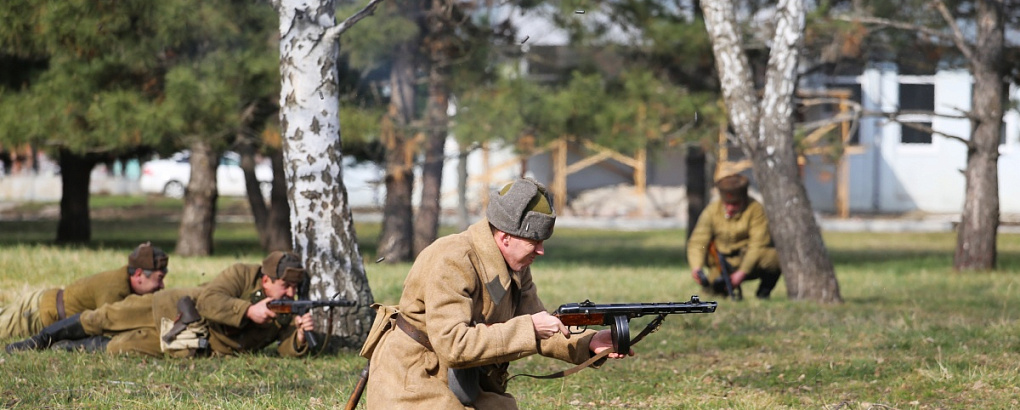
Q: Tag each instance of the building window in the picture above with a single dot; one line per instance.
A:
(911, 135)
(917, 97)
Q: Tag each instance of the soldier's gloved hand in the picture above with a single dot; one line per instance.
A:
(259, 313)
(547, 325)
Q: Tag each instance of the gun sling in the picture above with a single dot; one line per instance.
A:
(599, 358)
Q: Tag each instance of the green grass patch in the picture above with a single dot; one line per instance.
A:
(911, 334)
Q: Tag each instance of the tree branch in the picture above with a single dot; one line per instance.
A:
(894, 116)
(958, 39)
(334, 33)
(895, 24)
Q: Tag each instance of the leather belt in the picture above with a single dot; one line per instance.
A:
(61, 314)
(413, 332)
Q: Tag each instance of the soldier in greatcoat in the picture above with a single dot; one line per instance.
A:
(232, 311)
(30, 313)
(736, 223)
(469, 307)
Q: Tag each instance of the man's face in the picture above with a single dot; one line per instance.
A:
(518, 252)
(142, 284)
(733, 208)
(278, 288)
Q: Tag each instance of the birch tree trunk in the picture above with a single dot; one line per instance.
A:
(764, 129)
(321, 222)
(979, 223)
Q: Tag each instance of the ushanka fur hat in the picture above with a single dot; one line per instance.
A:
(524, 209)
(284, 265)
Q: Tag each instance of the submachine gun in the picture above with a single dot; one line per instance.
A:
(618, 316)
(300, 307)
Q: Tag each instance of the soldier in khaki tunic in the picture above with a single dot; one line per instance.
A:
(27, 315)
(740, 230)
(469, 307)
(232, 307)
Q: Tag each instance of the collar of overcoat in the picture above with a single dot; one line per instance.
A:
(493, 272)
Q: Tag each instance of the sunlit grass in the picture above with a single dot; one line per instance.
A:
(911, 334)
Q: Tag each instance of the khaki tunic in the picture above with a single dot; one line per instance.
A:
(38, 311)
(461, 293)
(744, 238)
(133, 324)
(224, 303)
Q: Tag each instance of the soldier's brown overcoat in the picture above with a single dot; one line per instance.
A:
(462, 294)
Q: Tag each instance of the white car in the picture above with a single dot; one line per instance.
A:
(170, 176)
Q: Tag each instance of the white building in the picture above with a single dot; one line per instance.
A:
(902, 169)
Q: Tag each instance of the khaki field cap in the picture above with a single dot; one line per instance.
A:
(148, 257)
(732, 188)
(286, 266)
(524, 209)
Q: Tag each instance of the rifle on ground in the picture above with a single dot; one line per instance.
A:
(352, 402)
(732, 292)
(618, 316)
(300, 307)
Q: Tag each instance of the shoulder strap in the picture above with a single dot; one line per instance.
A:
(650, 328)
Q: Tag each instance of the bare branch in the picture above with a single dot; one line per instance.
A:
(896, 24)
(334, 33)
(894, 117)
(958, 38)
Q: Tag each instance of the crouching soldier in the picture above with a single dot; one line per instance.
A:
(229, 316)
(732, 238)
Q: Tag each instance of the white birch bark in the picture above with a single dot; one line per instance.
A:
(321, 222)
(764, 130)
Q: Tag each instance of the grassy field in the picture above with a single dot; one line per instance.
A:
(911, 333)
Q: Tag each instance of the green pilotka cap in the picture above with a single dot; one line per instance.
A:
(147, 257)
(733, 188)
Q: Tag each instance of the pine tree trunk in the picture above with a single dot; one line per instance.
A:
(396, 240)
(426, 224)
(75, 225)
(766, 136)
(198, 221)
(278, 236)
(979, 223)
(320, 214)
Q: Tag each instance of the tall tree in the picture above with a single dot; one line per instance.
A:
(87, 84)
(438, 48)
(977, 30)
(322, 225)
(222, 74)
(764, 129)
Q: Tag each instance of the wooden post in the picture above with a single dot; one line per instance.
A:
(560, 176)
(843, 167)
(486, 176)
